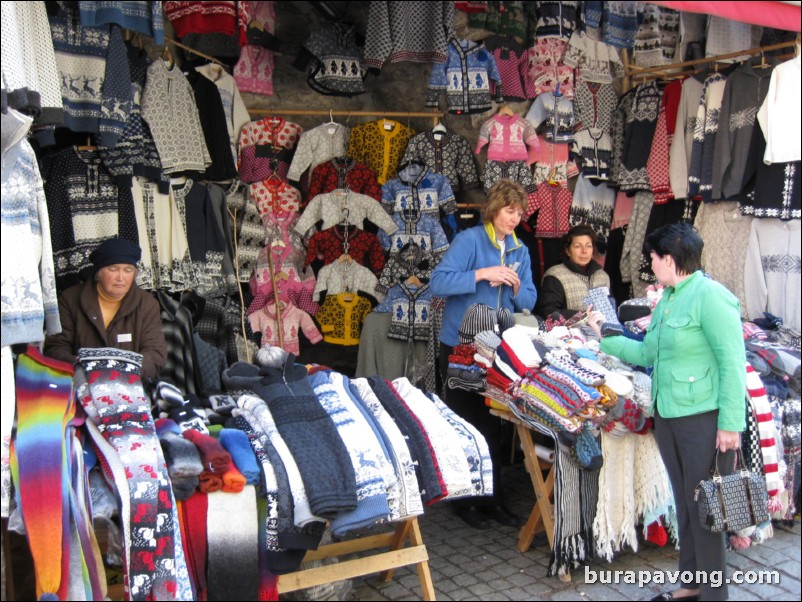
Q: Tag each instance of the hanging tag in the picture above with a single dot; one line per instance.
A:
(330, 130)
(388, 125)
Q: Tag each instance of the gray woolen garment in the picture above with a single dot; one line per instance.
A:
(430, 488)
(308, 431)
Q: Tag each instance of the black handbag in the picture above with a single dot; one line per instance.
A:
(733, 502)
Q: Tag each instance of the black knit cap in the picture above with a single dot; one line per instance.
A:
(114, 251)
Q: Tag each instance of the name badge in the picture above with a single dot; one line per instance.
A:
(125, 338)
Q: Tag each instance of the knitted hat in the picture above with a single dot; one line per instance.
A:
(505, 319)
(113, 251)
(586, 451)
(525, 318)
(478, 317)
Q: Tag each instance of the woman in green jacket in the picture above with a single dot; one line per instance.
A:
(695, 344)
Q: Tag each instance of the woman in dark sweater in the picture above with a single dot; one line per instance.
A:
(565, 285)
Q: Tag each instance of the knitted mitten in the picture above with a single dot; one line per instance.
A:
(586, 451)
(561, 360)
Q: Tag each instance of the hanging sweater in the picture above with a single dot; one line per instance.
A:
(316, 146)
(329, 208)
(779, 114)
(235, 110)
(556, 111)
(144, 17)
(682, 143)
(700, 172)
(336, 60)
(380, 145)
(593, 204)
(595, 147)
(465, 78)
(30, 308)
(546, 67)
(264, 142)
(594, 105)
(415, 227)
(135, 153)
(409, 310)
(410, 260)
(344, 277)
(215, 129)
(657, 35)
(447, 154)
(408, 31)
(95, 79)
(30, 74)
(415, 187)
(293, 321)
(508, 137)
(254, 70)
(341, 318)
(363, 247)
(347, 173)
(744, 92)
(513, 67)
(168, 105)
(772, 276)
(85, 206)
(595, 61)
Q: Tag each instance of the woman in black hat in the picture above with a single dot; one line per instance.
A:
(110, 310)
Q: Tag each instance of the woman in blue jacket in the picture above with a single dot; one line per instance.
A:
(485, 264)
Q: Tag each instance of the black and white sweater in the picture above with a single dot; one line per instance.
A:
(447, 154)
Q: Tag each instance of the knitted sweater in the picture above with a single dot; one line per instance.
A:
(344, 172)
(230, 18)
(410, 260)
(595, 147)
(447, 154)
(254, 71)
(269, 132)
(213, 122)
(682, 143)
(316, 146)
(380, 144)
(363, 247)
(336, 60)
(546, 67)
(344, 277)
(409, 310)
(415, 187)
(235, 110)
(593, 204)
(772, 276)
(408, 31)
(85, 206)
(30, 75)
(595, 61)
(508, 137)
(414, 227)
(556, 111)
(700, 171)
(95, 79)
(135, 153)
(465, 77)
(513, 67)
(30, 308)
(779, 114)
(144, 17)
(557, 19)
(293, 321)
(657, 35)
(340, 318)
(329, 208)
(168, 105)
(594, 105)
(733, 164)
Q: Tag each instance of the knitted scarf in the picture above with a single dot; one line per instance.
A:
(772, 464)
(232, 531)
(110, 390)
(38, 467)
(575, 498)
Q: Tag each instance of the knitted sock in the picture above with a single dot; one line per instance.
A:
(168, 396)
(209, 482)
(214, 457)
(236, 443)
(167, 425)
(44, 406)
(195, 510)
(184, 487)
(600, 298)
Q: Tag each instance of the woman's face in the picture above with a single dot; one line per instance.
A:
(664, 269)
(506, 220)
(580, 251)
(116, 280)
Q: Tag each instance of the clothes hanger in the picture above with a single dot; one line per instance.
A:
(88, 146)
(440, 129)
(331, 123)
(167, 57)
(413, 280)
(505, 111)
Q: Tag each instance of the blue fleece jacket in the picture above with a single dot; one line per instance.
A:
(455, 277)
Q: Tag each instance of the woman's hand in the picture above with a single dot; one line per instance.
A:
(595, 319)
(727, 440)
(498, 275)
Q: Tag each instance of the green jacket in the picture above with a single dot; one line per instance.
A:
(696, 346)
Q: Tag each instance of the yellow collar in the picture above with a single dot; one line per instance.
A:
(491, 234)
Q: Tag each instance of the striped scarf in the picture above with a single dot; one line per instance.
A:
(766, 431)
(46, 457)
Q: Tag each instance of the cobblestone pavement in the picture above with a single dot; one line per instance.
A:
(468, 564)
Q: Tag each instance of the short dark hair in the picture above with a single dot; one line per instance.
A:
(578, 230)
(682, 242)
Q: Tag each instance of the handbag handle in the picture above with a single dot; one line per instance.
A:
(740, 466)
